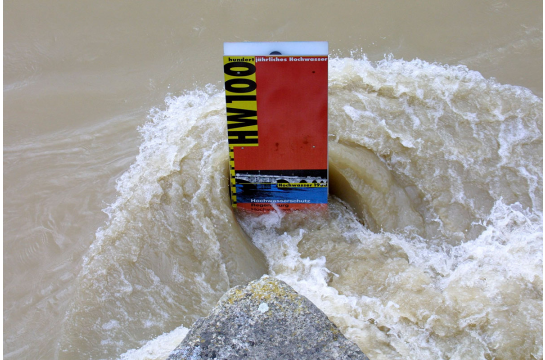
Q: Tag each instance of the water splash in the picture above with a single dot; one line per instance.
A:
(433, 243)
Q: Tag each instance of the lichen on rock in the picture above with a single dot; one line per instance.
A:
(266, 319)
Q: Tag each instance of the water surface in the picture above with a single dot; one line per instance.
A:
(432, 247)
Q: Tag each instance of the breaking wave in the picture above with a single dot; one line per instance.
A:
(432, 247)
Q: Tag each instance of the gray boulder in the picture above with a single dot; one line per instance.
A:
(266, 319)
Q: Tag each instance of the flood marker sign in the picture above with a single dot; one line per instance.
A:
(276, 103)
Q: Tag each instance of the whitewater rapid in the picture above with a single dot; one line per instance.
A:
(432, 247)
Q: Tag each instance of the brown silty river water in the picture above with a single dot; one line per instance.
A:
(118, 233)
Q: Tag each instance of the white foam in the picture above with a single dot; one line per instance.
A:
(468, 286)
(158, 348)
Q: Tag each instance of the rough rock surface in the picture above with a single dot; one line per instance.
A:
(265, 320)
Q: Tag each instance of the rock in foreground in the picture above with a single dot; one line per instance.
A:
(265, 320)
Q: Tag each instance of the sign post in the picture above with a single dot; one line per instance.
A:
(276, 100)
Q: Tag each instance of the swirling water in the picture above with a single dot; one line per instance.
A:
(432, 246)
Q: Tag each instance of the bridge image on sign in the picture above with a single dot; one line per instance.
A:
(289, 187)
(242, 178)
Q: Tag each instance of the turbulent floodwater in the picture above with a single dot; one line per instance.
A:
(431, 248)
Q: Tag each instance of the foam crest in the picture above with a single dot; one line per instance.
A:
(158, 348)
(455, 141)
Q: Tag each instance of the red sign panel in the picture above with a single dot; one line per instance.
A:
(277, 127)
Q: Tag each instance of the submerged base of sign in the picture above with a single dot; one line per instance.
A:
(277, 125)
